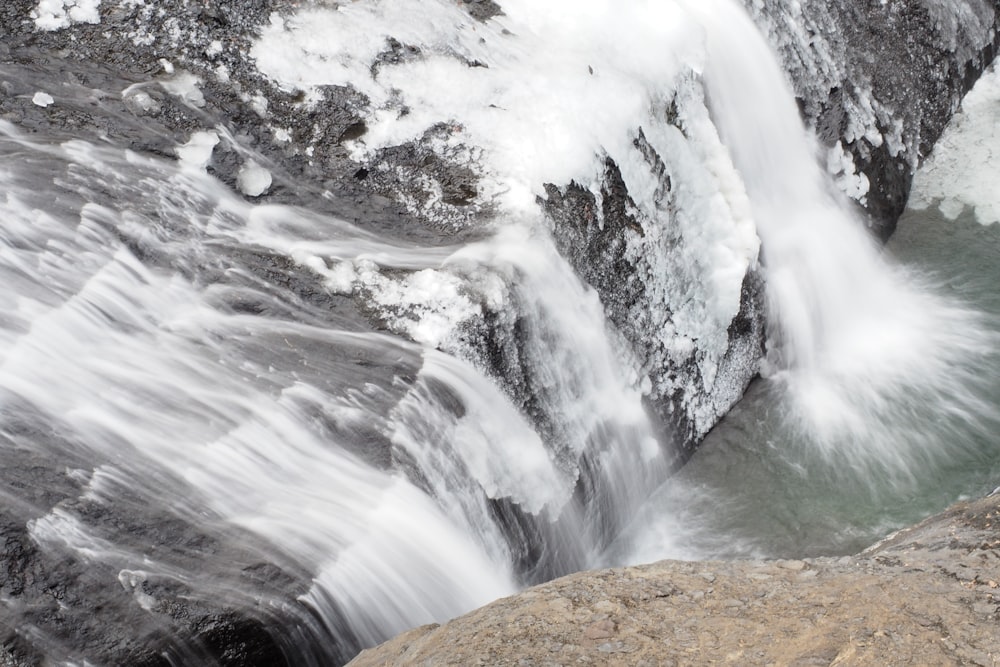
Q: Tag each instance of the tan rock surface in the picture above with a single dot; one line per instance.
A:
(928, 595)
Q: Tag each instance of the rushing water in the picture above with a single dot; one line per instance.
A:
(151, 318)
(166, 341)
(879, 402)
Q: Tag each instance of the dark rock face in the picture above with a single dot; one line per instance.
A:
(881, 78)
(61, 605)
(597, 244)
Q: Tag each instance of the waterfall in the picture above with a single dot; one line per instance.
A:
(400, 477)
(862, 345)
(346, 428)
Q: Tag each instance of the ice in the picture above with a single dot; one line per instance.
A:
(963, 170)
(42, 99)
(52, 15)
(197, 152)
(185, 86)
(546, 93)
(840, 165)
(545, 96)
(253, 180)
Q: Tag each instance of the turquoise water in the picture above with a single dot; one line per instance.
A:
(761, 487)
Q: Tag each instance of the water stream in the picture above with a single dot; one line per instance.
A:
(165, 340)
(878, 402)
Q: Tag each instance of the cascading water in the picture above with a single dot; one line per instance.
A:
(354, 433)
(389, 471)
(876, 388)
(861, 344)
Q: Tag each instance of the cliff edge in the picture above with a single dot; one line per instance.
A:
(928, 595)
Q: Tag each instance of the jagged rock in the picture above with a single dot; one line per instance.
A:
(928, 595)
(878, 81)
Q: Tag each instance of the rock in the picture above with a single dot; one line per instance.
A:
(894, 604)
(862, 70)
(879, 80)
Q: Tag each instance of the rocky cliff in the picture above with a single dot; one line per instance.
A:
(876, 79)
(928, 595)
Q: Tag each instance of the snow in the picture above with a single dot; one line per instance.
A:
(52, 15)
(536, 105)
(42, 99)
(545, 93)
(184, 85)
(253, 180)
(197, 152)
(963, 170)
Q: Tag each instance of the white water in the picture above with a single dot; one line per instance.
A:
(861, 345)
(139, 325)
(268, 420)
(879, 402)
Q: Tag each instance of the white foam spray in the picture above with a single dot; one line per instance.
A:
(862, 346)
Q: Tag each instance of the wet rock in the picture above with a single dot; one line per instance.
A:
(900, 60)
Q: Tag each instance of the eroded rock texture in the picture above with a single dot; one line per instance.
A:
(928, 595)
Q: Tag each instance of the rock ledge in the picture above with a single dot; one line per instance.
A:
(928, 595)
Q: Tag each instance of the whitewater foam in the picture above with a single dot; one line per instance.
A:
(854, 338)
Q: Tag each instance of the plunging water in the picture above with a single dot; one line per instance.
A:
(314, 396)
(879, 392)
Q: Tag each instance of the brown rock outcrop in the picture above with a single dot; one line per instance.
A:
(928, 595)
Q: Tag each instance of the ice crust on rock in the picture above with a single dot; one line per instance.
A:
(52, 15)
(197, 152)
(42, 99)
(533, 99)
(253, 180)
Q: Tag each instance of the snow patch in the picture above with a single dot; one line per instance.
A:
(197, 152)
(42, 99)
(516, 85)
(52, 15)
(547, 93)
(253, 180)
(964, 169)
(185, 86)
